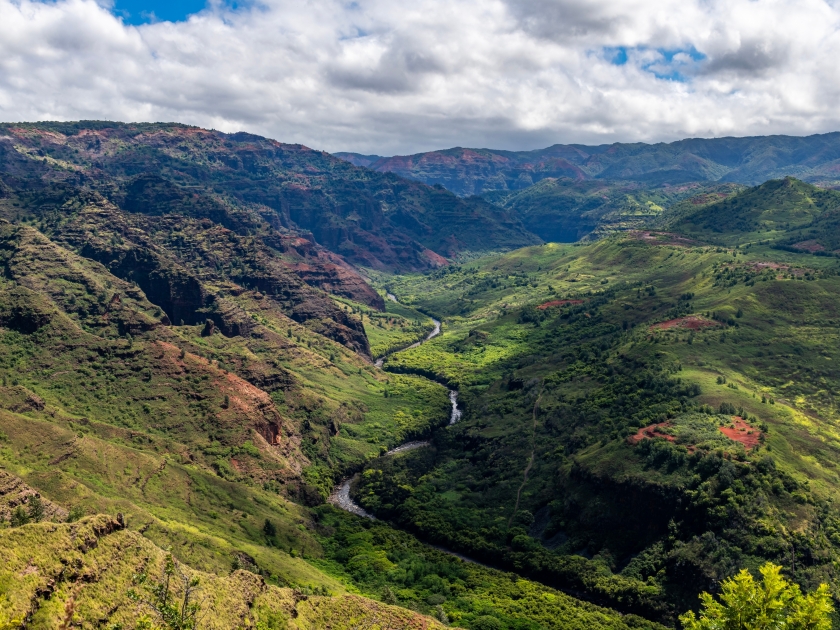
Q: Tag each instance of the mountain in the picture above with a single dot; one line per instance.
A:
(565, 210)
(252, 186)
(783, 211)
(357, 159)
(749, 160)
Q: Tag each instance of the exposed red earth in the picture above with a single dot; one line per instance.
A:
(692, 322)
(810, 246)
(552, 303)
(742, 432)
(661, 238)
(650, 432)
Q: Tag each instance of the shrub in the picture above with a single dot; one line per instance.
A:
(36, 509)
(19, 517)
(773, 603)
(486, 622)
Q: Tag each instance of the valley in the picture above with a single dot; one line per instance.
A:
(331, 396)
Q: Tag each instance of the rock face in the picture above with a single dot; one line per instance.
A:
(15, 494)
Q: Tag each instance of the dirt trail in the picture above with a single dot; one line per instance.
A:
(530, 460)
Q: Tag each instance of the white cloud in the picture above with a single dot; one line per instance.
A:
(395, 77)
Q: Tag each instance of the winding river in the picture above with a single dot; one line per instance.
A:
(434, 333)
(340, 496)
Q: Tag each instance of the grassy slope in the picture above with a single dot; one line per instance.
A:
(85, 573)
(132, 425)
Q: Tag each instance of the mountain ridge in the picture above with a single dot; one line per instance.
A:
(255, 185)
(746, 160)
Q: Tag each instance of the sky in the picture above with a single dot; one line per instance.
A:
(398, 77)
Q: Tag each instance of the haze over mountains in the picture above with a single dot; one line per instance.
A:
(748, 161)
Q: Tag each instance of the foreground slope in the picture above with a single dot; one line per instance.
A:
(95, 574)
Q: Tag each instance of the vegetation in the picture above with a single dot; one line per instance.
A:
(393, 566)
(643, 415)
(775, 603)
(600, 383)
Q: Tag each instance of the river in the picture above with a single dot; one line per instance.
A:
(434, 333)
(340, 496)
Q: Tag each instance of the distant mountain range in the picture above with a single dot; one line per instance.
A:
(750, 161)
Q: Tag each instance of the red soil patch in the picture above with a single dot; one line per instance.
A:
(692, 322)
(542, 307)
(650, 432)
(435, 258)
(809, 246)
(743, 433)
(766, 265)
(662, 238)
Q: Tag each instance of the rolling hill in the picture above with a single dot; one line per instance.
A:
(784, 212)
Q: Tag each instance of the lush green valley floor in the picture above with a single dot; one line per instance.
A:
(563, 353)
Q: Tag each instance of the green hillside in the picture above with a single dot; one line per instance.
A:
(551, 471)
(784, 211)
(209, 351)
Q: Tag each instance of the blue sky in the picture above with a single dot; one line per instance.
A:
(144, 11)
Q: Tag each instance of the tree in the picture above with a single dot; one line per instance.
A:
(36, 509)
(177, 612)
(19, 517)
(774, 603)
(388, 596)
(486, 622)
(269, 529)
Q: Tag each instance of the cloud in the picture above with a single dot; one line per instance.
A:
(379, 76)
